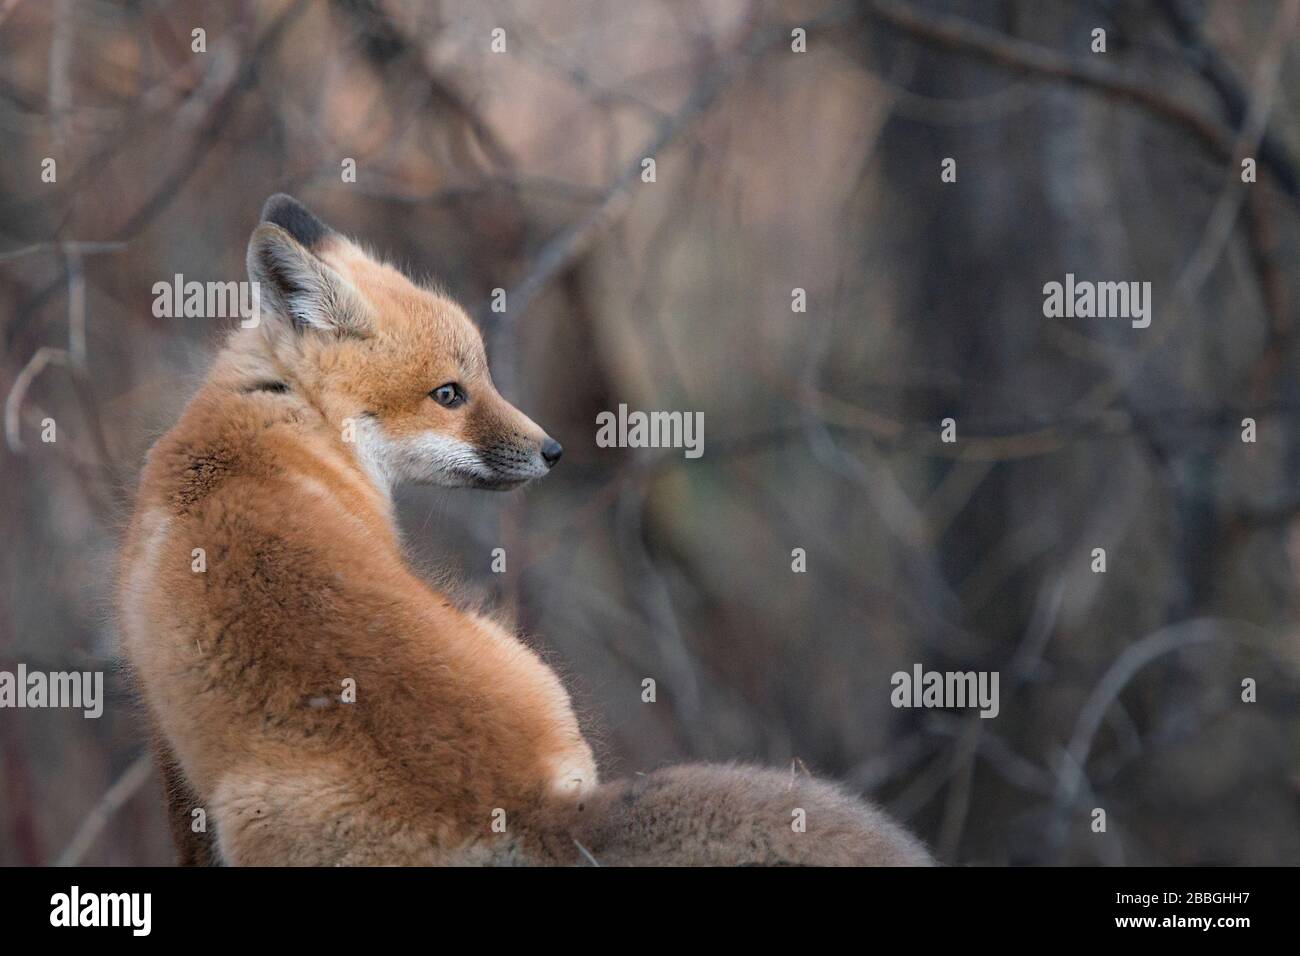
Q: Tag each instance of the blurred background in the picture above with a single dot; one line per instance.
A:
(775, 170)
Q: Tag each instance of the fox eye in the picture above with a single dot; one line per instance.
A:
(449, 395)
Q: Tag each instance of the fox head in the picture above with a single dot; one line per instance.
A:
(403, 365)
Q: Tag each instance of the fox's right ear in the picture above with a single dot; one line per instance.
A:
(300, 287)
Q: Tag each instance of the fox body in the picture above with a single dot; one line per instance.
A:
(320, 700)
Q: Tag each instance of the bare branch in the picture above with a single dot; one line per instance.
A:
(122, 790)
(80, 248)
(14, 401)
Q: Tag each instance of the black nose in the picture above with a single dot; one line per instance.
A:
(551, 451)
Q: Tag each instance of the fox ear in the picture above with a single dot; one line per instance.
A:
(299, 286)
(295, 219)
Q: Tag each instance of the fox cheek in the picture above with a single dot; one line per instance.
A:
(420, 456)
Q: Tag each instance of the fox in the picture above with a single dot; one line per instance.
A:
(322, 702)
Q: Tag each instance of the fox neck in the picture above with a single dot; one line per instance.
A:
(357, 476)
(366, 471)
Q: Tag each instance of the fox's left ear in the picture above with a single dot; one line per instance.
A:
(298, 285)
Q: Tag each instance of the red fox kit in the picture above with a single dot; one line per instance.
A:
(323, 703)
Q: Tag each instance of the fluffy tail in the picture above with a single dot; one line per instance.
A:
(707, 815)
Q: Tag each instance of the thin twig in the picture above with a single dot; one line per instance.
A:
(81, 248)
(76, 307)
(125, 787)
(586, 853)
(1219, 73)
(14, 400)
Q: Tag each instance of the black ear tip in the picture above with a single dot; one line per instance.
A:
(295, 219)
(279, 204)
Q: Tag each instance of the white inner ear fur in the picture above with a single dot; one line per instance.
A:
(297, 283)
